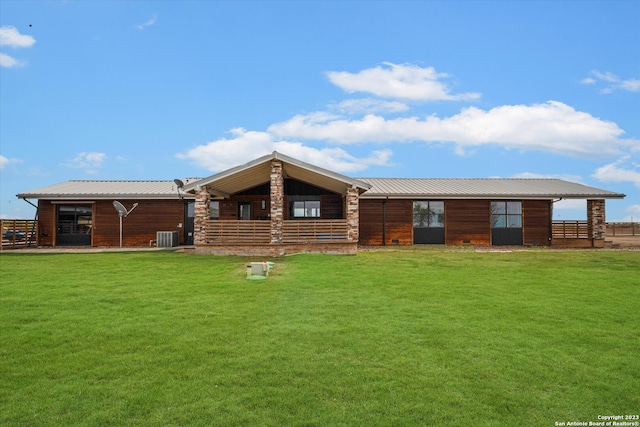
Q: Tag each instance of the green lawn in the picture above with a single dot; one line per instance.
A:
(426, 337)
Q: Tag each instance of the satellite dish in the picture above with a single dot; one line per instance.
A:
(178, 183)
(122, 211)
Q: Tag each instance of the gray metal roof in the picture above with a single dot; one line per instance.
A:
(466, 188)
(88, 189)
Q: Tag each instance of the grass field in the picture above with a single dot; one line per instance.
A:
(406, 338)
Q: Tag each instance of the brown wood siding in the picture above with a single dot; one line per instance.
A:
(467, 222)
(536, 220)
(141, 226)
(138, 229)
(398, 228)
(46, 222)
(331, 207)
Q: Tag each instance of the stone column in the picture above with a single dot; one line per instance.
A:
(352, 214)
(596, 221)
(277, 201)
(201, 216)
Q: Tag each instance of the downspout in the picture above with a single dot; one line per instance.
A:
(35, 220)
(384, 221)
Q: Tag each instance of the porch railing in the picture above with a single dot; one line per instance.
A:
(234, 232)
(310, 231)
(251, 232)
(570, 230)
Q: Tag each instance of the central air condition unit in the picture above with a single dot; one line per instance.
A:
(167, 239)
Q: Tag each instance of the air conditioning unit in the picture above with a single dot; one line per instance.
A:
(167, 239)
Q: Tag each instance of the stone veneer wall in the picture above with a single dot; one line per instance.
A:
(277, 201)
(201, 215)
(596, 219)
(352, 214)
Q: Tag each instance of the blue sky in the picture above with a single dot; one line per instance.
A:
(167, 89)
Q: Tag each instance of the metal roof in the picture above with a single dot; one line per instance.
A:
(88, 189)
(258, 172)
(467, 188)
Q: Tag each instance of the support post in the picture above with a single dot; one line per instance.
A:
(352, 213)
(596, 222)
(276, 202)
(201, 216)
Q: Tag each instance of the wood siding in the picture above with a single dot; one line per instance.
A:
(536, 220)
(331, 207)
(467, 222)
(398, 227)
(138, 229)
(46, 223)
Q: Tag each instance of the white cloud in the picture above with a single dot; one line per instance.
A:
(571, 204)
(403, 81)
(619, 171)
(368, 105)
(245, 145)
(634, 212)
(612, 82)
(149, 22)
(88, 161)
(5, 161)
(10, 36)
(550, 127)
(10, 62)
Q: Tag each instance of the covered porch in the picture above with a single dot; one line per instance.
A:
(276, 205)
(582, 234)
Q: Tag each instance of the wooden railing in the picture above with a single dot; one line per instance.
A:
(251, 232)
(18, 233)
(233, 232)
(570, 230)
(310, 231)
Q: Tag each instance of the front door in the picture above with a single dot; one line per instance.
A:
(189, 225)
(244, 210)
(74, 224)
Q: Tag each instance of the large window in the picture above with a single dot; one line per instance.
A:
(302, 207)
(506, 214)
(428, 214)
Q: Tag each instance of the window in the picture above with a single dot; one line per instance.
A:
(305, 208)
(506, 214)
(214, 209)
(428, 214)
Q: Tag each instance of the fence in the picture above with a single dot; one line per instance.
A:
(623, 229)
(18, 233)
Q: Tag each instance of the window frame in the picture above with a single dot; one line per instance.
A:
(216, 209)
(506, 214)
(434, 219)
(309, 206)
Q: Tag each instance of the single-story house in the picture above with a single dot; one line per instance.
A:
(277, 204)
